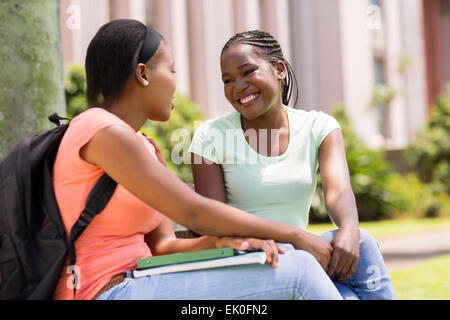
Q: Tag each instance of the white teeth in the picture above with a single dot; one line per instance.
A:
(248, 98)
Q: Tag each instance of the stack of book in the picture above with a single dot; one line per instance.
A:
(196, 260)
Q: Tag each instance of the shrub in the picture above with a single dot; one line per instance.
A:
(369, 177)
(75, 90)
(381, 192)
(415, 199)
(429, 153)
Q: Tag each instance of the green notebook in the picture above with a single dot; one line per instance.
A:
(184, 257)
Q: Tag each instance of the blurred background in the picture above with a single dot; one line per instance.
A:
(380, 67)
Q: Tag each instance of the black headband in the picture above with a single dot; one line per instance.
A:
(151, 44)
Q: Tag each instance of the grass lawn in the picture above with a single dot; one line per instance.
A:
(429, 280)
(390, 227)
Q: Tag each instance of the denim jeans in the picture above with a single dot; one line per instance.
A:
(370, 280)
(299, 276)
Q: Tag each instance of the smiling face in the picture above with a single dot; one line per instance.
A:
(251, 84)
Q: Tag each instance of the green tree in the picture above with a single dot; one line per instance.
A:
(31, 77)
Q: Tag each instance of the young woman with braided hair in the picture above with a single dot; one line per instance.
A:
(269, 167)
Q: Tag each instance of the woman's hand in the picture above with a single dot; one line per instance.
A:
(317, 246)
(158, 151)
(251, 244)
(341, 205)
(345, 255)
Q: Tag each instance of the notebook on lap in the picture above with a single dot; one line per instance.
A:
(196, 260)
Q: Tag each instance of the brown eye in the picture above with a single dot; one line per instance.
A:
(249, 71)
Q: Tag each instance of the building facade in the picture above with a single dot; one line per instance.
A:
(385, 60)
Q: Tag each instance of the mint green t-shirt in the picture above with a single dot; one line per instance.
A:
(280, 188)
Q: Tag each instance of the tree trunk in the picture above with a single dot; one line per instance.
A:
(31, 72)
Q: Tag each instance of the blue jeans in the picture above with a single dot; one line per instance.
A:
(299, 276)
(370, 280)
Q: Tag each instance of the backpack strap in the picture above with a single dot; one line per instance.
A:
(95, 203)
(55, 118)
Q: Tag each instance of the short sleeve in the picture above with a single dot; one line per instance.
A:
(202, 143)
(83, 128)
(323, 125)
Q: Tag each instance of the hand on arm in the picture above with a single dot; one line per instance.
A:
(158, 151)
(341, 205)
(251, 244)
(162, 240)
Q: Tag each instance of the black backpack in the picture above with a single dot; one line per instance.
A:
(33, 245)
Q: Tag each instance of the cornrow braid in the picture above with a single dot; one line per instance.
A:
(273, 53)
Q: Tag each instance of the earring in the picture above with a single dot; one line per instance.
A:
(145, 83)
(281, 76)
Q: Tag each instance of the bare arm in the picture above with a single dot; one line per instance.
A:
(339, 197)
(162, 240)
(341, 205)
(208, 179)
(123, 157)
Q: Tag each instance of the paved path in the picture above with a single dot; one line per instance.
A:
(406, 250)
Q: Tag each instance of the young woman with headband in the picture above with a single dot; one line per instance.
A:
(131, 66)
(269, 168)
